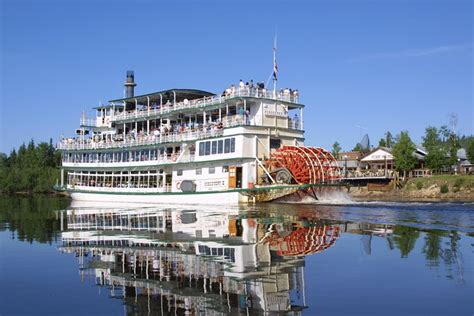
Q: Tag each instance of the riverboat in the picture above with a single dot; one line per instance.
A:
(190, 146)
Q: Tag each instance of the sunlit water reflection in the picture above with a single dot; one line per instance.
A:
(289, 258)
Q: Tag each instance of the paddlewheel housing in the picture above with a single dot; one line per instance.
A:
(307, 165)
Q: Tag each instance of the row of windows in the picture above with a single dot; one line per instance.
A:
(222, 146)
(124, 156)
(211, 170)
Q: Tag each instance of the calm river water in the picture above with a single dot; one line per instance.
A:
(58, 258)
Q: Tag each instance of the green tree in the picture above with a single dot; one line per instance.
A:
(358, 147)
(453, 145)
(336, 149)
(432, 138)
(33, 169)
(382, 142)
(436, 159)
(444, 131)
(389, 139)
(403, 153)
(470, 150)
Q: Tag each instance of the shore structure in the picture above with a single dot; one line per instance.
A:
(192, 146)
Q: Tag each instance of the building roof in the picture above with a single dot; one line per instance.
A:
(166, 95)
(380, 153)
(349, 155)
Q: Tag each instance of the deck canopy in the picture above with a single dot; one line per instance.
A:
(171, 95)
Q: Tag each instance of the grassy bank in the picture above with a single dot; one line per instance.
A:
(435, 188)
(443, 183)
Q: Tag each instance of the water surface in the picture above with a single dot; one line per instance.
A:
(365, 258)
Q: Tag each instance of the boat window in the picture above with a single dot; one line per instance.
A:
(199, 171)
(214, 147)
(179, 172)
(212, 170)
(201, 149)
(220, 147)
(232, 145)
(227, 146)
(275, 143)
(208, 149)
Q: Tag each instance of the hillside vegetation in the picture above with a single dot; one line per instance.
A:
(33, 169)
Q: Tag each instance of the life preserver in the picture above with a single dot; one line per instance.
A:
(178, 185)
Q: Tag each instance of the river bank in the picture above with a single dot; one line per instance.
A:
(443, 188)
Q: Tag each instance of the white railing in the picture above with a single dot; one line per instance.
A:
(160, 159)
(203, 102)
(88, 122)
(189, 135)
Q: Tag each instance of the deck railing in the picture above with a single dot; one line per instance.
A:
(159, 159)
(203, 102)
(88, 122)
(129, 141)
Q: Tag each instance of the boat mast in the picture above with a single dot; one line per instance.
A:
(275, 66)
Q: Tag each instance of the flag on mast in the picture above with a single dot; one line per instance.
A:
(275, 66)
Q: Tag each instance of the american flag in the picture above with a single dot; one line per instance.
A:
(275, 66)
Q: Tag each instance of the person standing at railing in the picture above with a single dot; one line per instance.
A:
(295, 95)
(247, 117)
(241, 86)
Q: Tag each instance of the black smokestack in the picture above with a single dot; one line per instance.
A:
(130, 84)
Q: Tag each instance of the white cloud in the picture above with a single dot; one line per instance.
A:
(411, 53)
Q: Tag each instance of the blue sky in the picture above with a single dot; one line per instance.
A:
(384, 65)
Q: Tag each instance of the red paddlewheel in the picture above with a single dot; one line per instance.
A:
(308, 165)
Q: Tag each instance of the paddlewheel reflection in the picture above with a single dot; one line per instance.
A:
(303, 240)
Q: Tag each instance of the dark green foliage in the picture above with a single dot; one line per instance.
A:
(458, 184)
(33, 169)
(444, 188)
(336, 149)
(419, 185)
(437, 158)
(432, 138)
(403, 153)
(470, 150)
(389, 140)
(382, 142)
(358, 147)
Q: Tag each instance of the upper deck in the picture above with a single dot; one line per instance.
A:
(180, 115)
(147, 106)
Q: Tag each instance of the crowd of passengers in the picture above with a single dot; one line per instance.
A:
(258, 89)
(249, 88)
(164, 130)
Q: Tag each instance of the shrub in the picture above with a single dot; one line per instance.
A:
(459, 182)
(419, 185)
(444, 188)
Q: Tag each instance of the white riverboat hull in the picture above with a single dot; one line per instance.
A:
(221, 198)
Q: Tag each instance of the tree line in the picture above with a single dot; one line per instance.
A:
(31, 169)
(441, 145)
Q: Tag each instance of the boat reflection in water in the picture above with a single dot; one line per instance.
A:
(170, 260)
